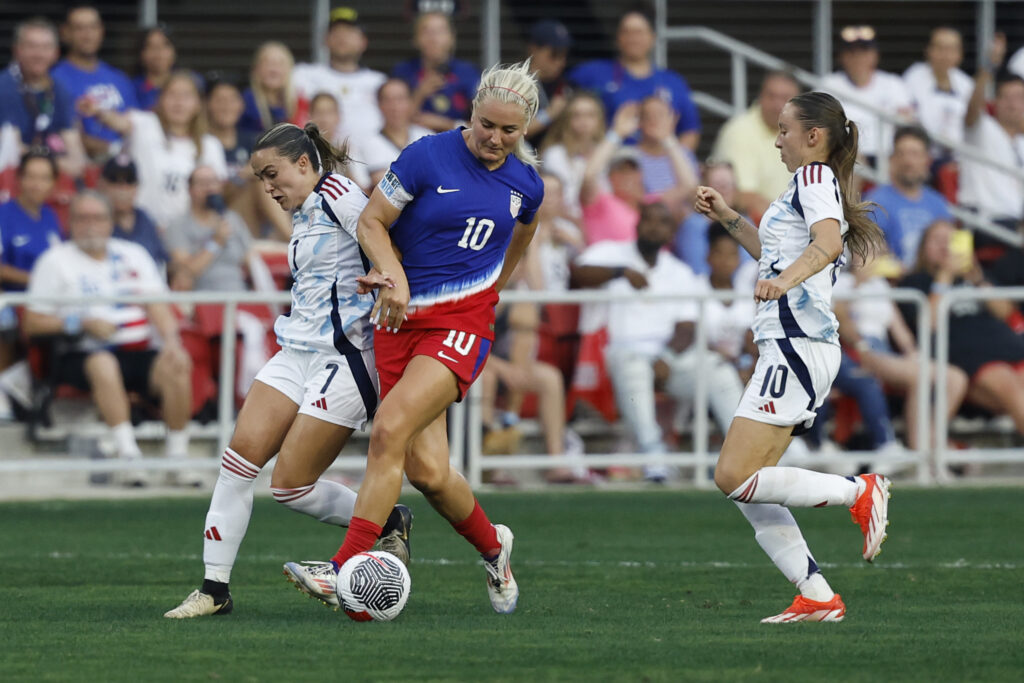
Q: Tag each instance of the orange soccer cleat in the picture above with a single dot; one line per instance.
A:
(804, 609)
(871, 513)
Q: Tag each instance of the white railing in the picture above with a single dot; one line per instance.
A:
(741, 54)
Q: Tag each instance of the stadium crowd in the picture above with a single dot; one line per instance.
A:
(122, 185)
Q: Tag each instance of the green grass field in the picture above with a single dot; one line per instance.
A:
(614, 586)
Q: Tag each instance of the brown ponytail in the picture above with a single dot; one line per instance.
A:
(821, 110)
(291, 142)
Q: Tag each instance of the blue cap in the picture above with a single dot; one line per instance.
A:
(550, 33)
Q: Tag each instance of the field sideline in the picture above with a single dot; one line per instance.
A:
(655, 585)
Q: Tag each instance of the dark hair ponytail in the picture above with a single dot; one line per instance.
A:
(821, 110)
(291, 142)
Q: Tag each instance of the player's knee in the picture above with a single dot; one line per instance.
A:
(728, 478)
(388, 438)
(427, 478)
(287, 478)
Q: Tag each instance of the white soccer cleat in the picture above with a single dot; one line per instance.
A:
(199, 604)
(871, 514)
(501, 585)
(316, 579)
(804, 609)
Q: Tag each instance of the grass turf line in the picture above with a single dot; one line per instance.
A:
(656, 585)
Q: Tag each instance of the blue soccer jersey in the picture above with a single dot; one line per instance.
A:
(457, 217)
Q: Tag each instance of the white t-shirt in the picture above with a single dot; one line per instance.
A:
(727, 322)
(569, 169)
(164, 165)
(645, 327)
(66, 270)
(805, 310)
(871, 315)
(1016, 63)
(991, 191)
(356, 93)
(376, 152)
(940, 112)
(885, 91)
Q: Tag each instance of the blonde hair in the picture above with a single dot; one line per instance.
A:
(197, 126)
(512, 84)
(560, 132)
(260, 94)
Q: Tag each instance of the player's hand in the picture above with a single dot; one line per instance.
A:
(770, 290)
(373, 280)
(389, 310)
(100, 329)
(637, 279)
(710, 203)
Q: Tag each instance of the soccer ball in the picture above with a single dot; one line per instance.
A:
(373, 586)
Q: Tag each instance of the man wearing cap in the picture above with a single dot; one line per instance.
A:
(860, 78)
(548, 47)
(119, 183)
(353, 86)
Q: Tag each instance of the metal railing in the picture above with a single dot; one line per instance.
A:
(742, 54)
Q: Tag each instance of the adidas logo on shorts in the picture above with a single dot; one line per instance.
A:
(321, 403)
(768, 407)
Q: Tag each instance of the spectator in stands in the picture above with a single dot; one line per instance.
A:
(980, 343)
(270, 97)
(120, 348)
(354, 86)
(728, 323)
(866, 326)
(209, 244)
(157, 58)
(83, 73)
(570, 142)
(612, 214)
(669, 169)
(557, 241)
(693, 239)
(166, 145)
(650, 343)
(119, 183)
(632, 76)
(442, 86)
(747, 142)
(861, 78)
(378, 150)
(224, 107)
(1000, 136)
(907, 206)
(28, 227)
(938, 89)
(37, 105)
(548, 47)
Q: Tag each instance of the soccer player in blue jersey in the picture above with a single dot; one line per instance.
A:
(321, 386)
(799, 246)
(460, 208)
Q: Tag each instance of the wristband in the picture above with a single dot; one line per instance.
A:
(72, 324)
(212, 247)
(940, 288)
(613, 137)
(618, 272)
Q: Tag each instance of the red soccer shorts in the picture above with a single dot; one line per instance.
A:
(458, 334)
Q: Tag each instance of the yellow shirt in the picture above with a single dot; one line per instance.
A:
(749, 145)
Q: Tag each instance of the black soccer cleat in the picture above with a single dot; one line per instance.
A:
(394, 537)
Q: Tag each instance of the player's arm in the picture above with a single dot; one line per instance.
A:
(521, 236)
(710, 203)
(372, 233)
(825, 247)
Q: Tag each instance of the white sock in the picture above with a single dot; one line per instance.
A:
(124, 440)
(799, 488)
(228, 516)
(779, 536)
(328, 501)
(176, 444)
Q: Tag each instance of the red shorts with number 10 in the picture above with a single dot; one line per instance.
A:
(458, 334)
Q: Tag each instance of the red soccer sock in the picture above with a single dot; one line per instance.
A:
(362, 534)
(479, 531)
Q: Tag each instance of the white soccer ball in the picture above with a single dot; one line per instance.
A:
(373, 586)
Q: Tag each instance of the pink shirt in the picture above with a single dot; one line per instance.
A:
(609, 218)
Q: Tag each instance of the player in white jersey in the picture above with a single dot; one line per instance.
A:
(322, 384)
(799, 248)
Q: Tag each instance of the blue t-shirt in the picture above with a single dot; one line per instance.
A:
(904, 220)
(454, 232)
(616, 87)
(691, 244)
(455, 98)
(25, 238)
(146, 94)
(146, 235)
(250, 121)
(109, 87)
(37, 114)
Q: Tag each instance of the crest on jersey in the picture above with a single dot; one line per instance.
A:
(515, 203)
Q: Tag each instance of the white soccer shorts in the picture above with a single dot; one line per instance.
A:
(335, 388)
(791, 380)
